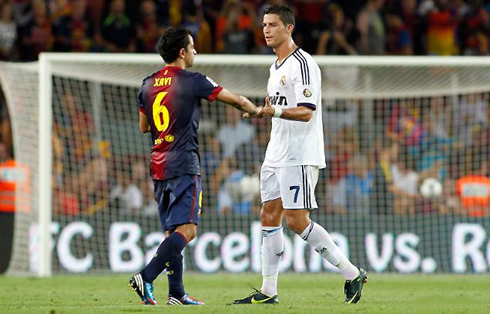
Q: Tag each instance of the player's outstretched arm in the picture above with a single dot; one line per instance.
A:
(237, 101)
(300, 113)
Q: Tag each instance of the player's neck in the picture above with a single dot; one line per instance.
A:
(284, 50)
(179, 63)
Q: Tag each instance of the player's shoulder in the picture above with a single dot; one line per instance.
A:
(191, 75)
(147, 78)
(303, 58)
(200, 78)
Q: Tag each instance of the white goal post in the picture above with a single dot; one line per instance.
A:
(107, 83)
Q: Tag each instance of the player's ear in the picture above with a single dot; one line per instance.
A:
(182, 53)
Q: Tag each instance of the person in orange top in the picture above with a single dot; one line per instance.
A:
(474, 193)
(7, 188)
(12, 174)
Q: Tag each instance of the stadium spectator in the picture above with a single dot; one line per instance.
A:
(338, 116)
(234, 133)
(405, 182)
(95, 11)
(439, 117)
(148, 30)
(211, 10)
(442, 28)
(413, 25)
(469, 115)
(117, 30)
(473, 190)
(238, 35)
(65, 202)
(7, 184)
(35, 34)
(5, 127)
(24, 10)
(371, 27)
(343, 148)
(310, 21)
(333, 40)
(193, 20)
(400, 27)
(58, 8)
(240, 173)
(131, 193)
(234, 26)
(381, 198)
(76, 128)
(8, 32)
(405, 126)
(355, 188)
(398, 36)
(475, 30)
(73, 32)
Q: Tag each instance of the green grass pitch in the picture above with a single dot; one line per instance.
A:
(298, 293)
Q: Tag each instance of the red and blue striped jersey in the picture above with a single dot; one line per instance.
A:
(171, 100)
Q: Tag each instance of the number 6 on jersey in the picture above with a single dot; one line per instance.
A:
(160, 113)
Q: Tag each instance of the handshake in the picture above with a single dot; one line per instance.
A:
(266, 111)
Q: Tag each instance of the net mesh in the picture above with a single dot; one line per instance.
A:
(406, 187)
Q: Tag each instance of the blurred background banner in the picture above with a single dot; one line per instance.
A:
(92, 244)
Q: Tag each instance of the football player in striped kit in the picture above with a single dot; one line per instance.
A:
(294, 156)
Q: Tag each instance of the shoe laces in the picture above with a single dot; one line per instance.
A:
(255, 292)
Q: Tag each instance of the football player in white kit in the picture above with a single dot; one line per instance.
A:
(294, 155)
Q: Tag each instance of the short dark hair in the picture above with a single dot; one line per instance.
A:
(283, 11)
(170, 43)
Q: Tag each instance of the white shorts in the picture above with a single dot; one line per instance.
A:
(295, 186)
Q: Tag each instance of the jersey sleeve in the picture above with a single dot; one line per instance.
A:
(205, 87)
(140, 98)
(305, 84)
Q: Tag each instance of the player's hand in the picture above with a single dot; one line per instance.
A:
(267, 110)
(249, 115)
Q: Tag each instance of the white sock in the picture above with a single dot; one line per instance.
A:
(272, 251)
(321, 241)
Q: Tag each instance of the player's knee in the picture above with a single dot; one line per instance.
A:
(191, 234)
(271, 213)
(270, 218)
(297, 223)
(189, 231)
(293, 224)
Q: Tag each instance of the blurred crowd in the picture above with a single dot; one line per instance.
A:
(376, 163)
(324, 27)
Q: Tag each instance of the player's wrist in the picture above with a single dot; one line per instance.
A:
(277, 112)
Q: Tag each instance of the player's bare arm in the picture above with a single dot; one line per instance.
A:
(237, 101)
(144, 126)
(300, 113)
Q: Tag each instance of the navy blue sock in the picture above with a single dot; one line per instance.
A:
(168, 250)
(174, 275)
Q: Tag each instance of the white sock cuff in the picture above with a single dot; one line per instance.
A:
(270, 231)
(306, 233)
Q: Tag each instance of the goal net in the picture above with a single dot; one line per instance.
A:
(406, 188)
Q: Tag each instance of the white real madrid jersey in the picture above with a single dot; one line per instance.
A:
(296, 82)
